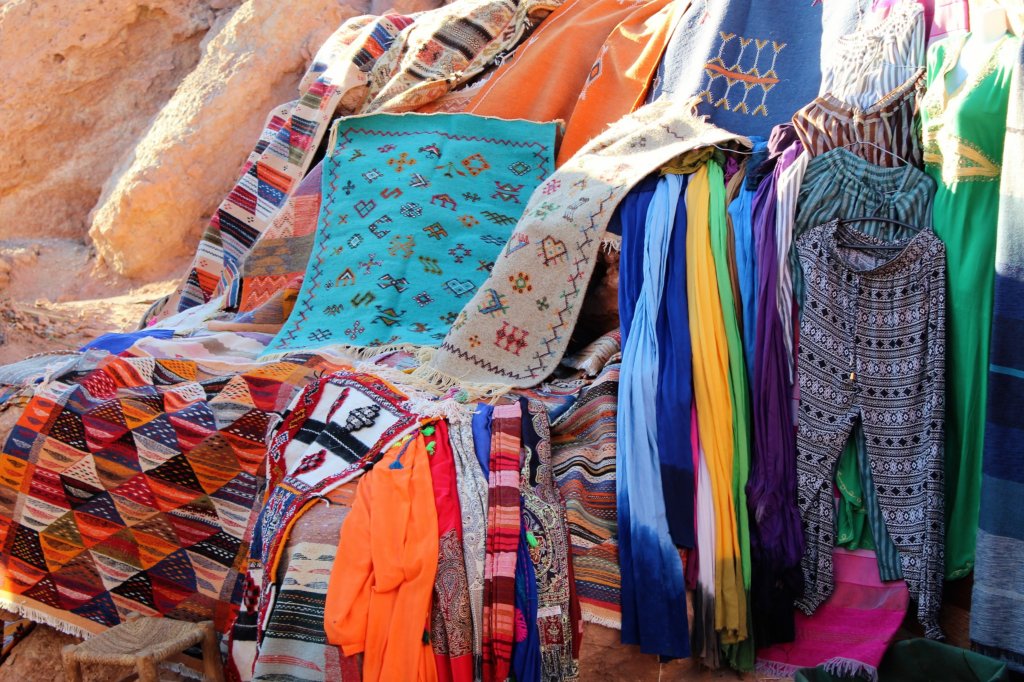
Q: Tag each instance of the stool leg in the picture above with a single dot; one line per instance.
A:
(72, 666)
(146, 665)
(212, 669)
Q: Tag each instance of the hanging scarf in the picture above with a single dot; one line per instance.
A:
(653, 593)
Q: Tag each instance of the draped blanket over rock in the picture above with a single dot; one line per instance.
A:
(132, 490)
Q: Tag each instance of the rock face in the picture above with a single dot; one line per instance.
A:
(82, 80)
(156, 206)
(125, 122)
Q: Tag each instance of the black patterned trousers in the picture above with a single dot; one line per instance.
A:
(872, 348)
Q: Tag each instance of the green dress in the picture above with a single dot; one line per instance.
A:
(963, 149)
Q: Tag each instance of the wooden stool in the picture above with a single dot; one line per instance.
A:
(144, 643)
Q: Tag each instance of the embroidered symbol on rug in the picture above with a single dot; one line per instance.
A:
(388, 316)
(520, 168)
(355, 330)
(639, 143)
(449, 318)
(431, 150)
(551, 186)
(542, 304)
(370, 263)
(333, 309)
(365, 298)
(444, 201)
(475, 164)
(485, 265)
(355, 240)
(459, 287)
(419, 181)
(362, 417)
(544, 209)
(423, 299)
(493, 240)
(338, 251)
(375, 227)
(386, 280)
(401, 162)
(580, 184)
(506, 191)
(552, 250)
(747, 70)
(435, 231)
(430, 265)
(468, 221)
(570, 210)
(499, 218)
(311, 462)
(411, 210)
(348, 187)
(346, 278)
(520, 282)
(517, 241)
(450, 171)
(474, 341)
(510, 338)
(419, 328)
(494, 305)
(471, 196)
(365, 206)
(372, 174)
(405, 246)
(318, 335)
(356, 155)
(392, 193)
(459, 252)
(384, 149)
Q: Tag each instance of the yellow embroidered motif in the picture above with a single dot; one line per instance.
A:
(962, 161)
(746, 69)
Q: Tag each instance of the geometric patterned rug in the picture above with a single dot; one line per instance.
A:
(131, 492)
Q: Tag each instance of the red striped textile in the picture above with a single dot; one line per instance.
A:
(502, 542)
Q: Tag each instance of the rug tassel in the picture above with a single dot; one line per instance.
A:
(47, 619)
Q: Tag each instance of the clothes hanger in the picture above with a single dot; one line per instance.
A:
(874, 219)
(879, 148)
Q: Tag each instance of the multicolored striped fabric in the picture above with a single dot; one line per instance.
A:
(583, 457)
(503, 523)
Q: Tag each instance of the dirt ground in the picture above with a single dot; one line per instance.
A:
(54, 297)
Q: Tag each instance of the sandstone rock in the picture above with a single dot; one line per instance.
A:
(155, 208)
(82, 81)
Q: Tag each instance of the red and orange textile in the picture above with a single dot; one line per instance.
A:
(131, 491)
(503, 524)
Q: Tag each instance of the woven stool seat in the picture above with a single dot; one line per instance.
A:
(143, 643)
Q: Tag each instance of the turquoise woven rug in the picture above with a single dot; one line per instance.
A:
(416, 209)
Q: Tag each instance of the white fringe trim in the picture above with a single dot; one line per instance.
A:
(611, 242)
(602, 621)
(59, 624)
(767, 671)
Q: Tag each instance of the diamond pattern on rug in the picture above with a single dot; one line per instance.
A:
(131, 491)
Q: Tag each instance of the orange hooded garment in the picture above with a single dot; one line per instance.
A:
(378, 597)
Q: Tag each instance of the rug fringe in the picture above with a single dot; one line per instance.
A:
(47, 619)
(431, 380)
(612, 623)
(611, 242)
(849, 667)
(773, 670)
